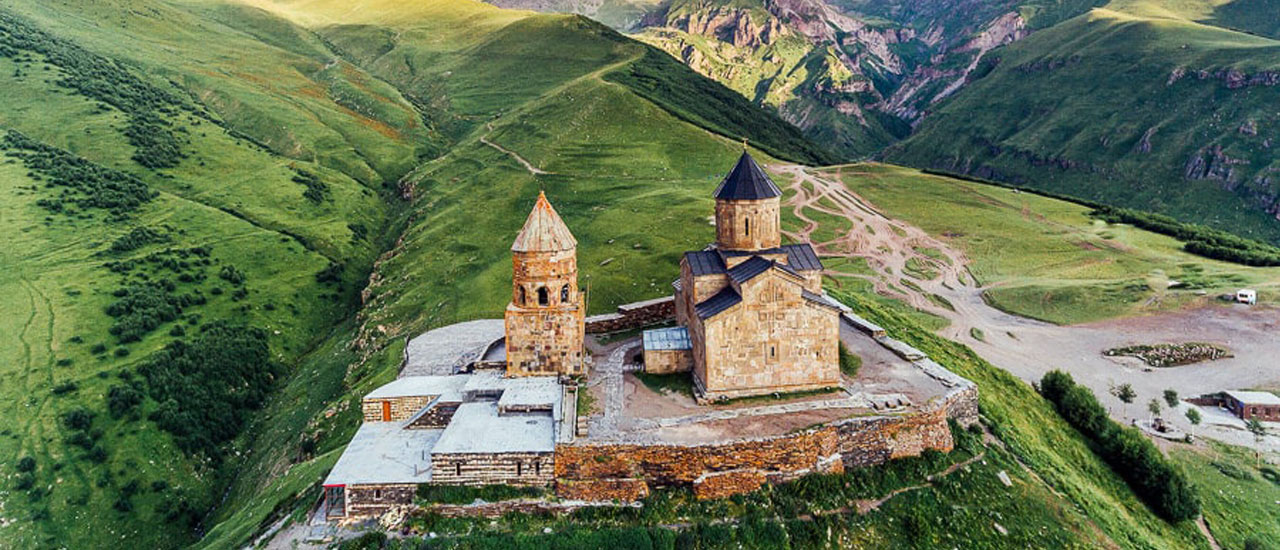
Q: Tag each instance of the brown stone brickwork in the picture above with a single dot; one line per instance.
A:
(596, 490)
(774, 341)
(748, 225)
(401, 408)
(632, 316)
(658, 361)
(436, 418)
(725, 484)
(544, 321)
(493, 469)
(372, 500)
(594, 472)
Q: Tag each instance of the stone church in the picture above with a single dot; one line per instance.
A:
(756, 317)
(544, 321)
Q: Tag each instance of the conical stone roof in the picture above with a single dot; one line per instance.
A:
(544, 231)
(747, 182)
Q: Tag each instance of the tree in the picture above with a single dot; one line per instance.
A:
(1126, 395)
(1171, 398)
(1193, 416)
(1153, 407)
(1259, 433)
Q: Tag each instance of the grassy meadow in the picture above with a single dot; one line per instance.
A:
(1046, 258)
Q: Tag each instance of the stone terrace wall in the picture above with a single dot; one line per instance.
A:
(626, 472)
(633, 315)
(629, 469)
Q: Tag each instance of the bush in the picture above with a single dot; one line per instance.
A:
(1152, 477)
(26, 464)
(65, 388)
(24, 482)
(77, 419)
(121, 399)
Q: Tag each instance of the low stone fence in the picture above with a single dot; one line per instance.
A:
(633, 315)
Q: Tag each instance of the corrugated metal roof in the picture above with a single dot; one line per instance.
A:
(704, 262)
(671, 338)
(747, 182)
(712, 306)
(749, 269)
(802, 257)
(544, 231)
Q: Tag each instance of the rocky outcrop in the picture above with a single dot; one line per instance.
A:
(1234, 79)
(734, 26)
(1211, 163)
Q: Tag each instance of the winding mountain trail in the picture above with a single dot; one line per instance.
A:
(1026, 347)
(527, 166)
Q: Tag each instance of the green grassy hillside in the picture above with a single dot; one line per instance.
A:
(1137, 104)
(1048, 259)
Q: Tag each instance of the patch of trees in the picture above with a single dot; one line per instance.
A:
(1160, 484)
(1197, 239)
(209, 385)
(84, 184)
(316, 190)
(136, 238)
(107, 81)
(141, 308)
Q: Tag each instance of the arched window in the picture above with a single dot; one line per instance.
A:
(377, 494)
(523, 298)
(747, 223)
(564, 294)
(543, 298)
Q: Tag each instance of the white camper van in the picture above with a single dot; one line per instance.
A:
(1247, 296)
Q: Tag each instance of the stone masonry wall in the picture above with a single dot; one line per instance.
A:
(436, 418)
(372, 500)
(634, 315)
(668, 361)
(401, 407)
(493, 469)
(620, 472)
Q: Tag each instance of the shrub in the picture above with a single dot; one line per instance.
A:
(98, 349)
(1152, 477)
(26, 464)
(122, 504)
(97, 454)
(24, 482)
(65, 387)
(77, 419)
(121, 399)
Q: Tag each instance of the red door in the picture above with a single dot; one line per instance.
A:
(386, 411)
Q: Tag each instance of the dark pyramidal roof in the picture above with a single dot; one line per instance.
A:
(747, 182)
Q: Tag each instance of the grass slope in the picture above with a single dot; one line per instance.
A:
(1112, 106)
(1045, 258)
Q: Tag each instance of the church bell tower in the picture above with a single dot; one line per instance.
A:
(544, 321)
(748, 209)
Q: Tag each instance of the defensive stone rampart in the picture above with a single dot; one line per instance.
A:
(633, 315)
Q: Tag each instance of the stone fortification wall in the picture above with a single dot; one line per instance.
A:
(634, 315)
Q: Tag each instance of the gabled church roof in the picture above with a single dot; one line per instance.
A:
(544, 231)
(747, 182)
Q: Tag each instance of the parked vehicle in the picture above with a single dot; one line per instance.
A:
(1247, 296)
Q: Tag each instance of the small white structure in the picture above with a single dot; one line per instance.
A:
(1247, 296)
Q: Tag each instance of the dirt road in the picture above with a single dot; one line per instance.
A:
(1030, 348)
